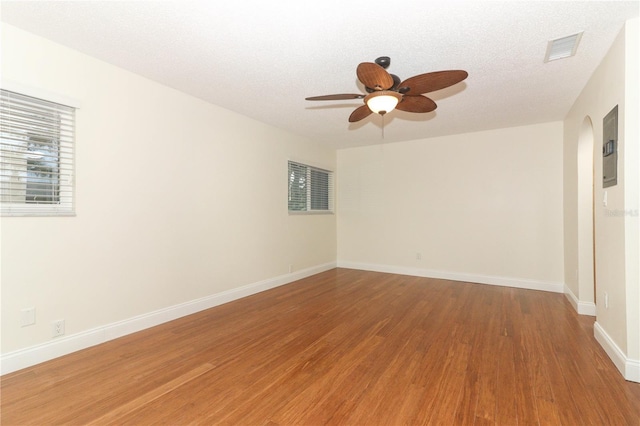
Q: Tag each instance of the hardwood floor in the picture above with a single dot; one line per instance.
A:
(342, 347)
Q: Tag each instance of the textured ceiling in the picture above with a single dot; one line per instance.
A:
(262, 58)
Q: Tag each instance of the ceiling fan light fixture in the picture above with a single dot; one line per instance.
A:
(383, 101)
(387, 92)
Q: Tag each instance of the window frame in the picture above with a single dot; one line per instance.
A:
(311, 187)
(65, 158)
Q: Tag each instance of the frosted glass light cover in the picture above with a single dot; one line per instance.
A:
(385, 100)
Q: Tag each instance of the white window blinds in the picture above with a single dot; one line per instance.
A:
(36, 156)
(310, 189)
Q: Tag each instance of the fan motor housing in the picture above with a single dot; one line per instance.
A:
(396, 83)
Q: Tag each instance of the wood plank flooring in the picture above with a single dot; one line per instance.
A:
(344, 347)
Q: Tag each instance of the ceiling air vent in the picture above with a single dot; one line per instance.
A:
(562, 47)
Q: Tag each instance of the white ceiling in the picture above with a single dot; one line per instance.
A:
(262, 58)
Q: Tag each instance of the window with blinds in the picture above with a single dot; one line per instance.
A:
(310, 189)
(36, 156)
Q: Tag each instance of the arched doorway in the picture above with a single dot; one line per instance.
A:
(586, 243)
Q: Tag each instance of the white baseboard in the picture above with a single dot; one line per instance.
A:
(457, 276)
(630, 368)
(16, 360)
(582, 308)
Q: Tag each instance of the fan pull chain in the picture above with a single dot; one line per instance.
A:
(382, 114)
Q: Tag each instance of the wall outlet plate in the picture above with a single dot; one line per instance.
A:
(58, 328)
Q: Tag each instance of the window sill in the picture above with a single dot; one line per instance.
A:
(310, 212)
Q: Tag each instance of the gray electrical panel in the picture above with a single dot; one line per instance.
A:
(610, 148)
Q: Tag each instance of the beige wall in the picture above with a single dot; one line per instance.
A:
(484, 205)
(177, 199)
(632, 188)
(615, 82)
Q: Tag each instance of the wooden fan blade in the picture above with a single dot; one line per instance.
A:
(374, 76)
(337, 97)
(431, 81)
(359, 113)
(417, 103)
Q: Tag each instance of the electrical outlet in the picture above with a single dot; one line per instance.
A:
(27, 317)
(58, 328)
(418, 256)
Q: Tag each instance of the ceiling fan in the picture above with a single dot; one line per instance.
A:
(387, 92)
